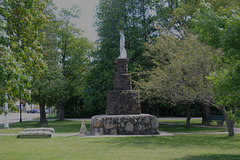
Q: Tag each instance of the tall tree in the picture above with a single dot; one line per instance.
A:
(179, 75)
(221, 29)
(21, 51)
(112, 16)
(74, 50)
(176, 15)
(66, 58)
(48, 88)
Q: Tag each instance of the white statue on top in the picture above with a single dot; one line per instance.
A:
(123, 52)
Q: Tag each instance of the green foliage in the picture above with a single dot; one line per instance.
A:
(181, 67)
(67, 58)
(130, 16)
(74, 51)
(221, 30)
(46, 89)
(176, 15)
(21, 51)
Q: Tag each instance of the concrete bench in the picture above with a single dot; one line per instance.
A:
(39, 129)
(36, 133)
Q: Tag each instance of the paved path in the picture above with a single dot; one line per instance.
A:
(15, 117)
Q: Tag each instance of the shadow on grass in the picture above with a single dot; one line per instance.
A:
(181, 141)
(212, 157)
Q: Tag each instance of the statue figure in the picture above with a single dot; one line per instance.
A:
(123, 52)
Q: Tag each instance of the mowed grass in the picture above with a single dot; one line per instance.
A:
(194, 122)
(74, 126)
(183, 147)
(68, 126)
(181, 121)
(59, 126)
(177, 129)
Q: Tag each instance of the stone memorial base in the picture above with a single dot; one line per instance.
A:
(123, 102)
(134, 124)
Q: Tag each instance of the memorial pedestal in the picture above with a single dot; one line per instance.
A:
(134, 124)
(123, 110)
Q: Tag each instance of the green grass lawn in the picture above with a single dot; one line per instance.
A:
(181, 121)
(74, 127)
(195, 122)
(183, 147)
(59, 126)
(175, 129)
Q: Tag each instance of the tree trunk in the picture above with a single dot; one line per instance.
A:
(154, 109)
(157, 110)
(43, 119)
(147, 107)
(230, 123)
(61, 112)
(205, 112)
(188, 116)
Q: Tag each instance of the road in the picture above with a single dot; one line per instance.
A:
(15, 117)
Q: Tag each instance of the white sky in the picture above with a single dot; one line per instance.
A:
(86, 19)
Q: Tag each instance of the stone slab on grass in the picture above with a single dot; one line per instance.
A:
(39, 129)
(35, 134)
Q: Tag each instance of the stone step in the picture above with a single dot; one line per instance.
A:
(39, 129)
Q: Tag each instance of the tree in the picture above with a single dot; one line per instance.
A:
(134, 19)
(176, 15)
(221, 30)
(48, 88)
(74, 52)
(179, 76)
(66, 55)
(21, 52)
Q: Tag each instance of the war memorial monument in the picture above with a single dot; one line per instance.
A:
(123, 111)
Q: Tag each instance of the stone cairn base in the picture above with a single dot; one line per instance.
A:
(123, 110)
(134, 124)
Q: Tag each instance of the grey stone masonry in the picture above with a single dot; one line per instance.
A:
(122, 82)
(39, 129)
(123, 110)
(122, 65)
(36, 133)
(138, 124)
(122, 79)
(123, 100)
